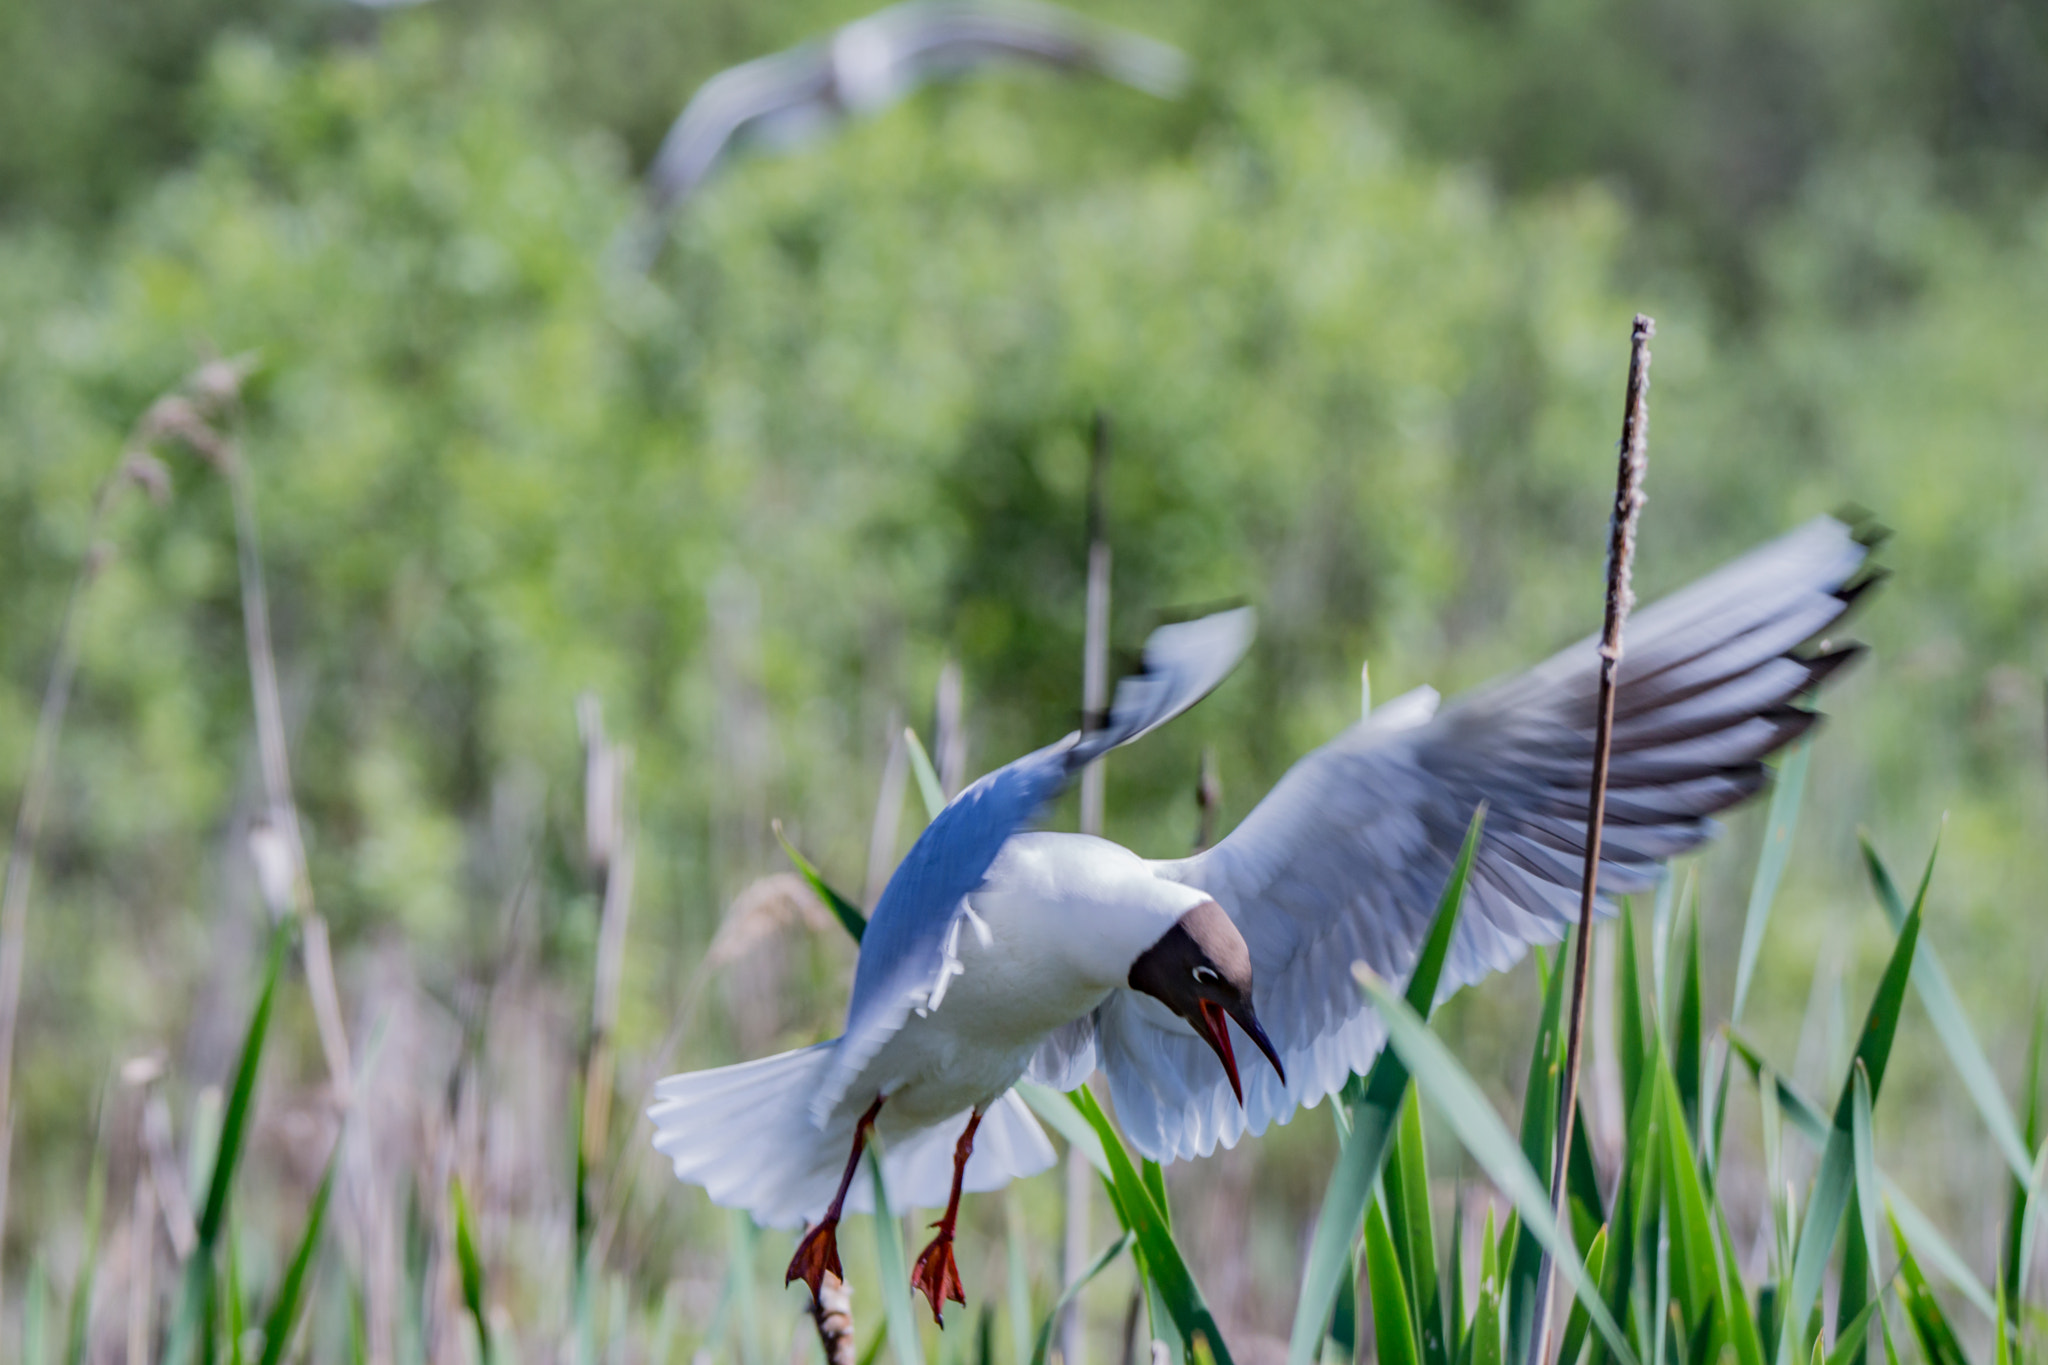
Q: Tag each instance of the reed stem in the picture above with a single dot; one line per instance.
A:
(1621, 550)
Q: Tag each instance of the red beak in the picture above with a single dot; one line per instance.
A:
(1216, 1033)
(1215, 1030)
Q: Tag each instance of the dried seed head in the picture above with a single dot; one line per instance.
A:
(175, 418)
(148, 473)
(764, 911)
(140, 1071)
(271, 855)
(218, 383)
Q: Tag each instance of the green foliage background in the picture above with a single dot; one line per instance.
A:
(1357, 307)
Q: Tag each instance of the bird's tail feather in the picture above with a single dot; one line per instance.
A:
(744, 1133)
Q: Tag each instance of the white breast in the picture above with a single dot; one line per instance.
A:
(1055, 928)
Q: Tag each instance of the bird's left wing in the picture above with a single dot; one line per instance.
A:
(1344, 859)
(910, 950)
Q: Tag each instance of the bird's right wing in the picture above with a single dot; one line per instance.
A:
(1344, 859)
(909, 952)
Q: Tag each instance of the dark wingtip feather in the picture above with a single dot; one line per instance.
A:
(1864, 527)
(1851, 592)
(1821, 668)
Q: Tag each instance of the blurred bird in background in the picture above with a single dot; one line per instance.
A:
(997, 953)
(788, 98)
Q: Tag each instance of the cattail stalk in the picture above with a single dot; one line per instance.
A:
(832, 1311)
(1621, 549)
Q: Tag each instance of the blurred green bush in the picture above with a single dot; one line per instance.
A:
(840, 434)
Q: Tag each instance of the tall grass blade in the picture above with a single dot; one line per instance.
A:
(1859, 1256)
(1454, 1093)
(1373, 1117)
(1930, 980)
(1742, 1325)
(1938, 1343)
(197, 1294)
(1485, 1338)
(1409, 1220)
(1663, 913)
(35, 1308)
(233, 1302)
(1576, 1322)
(1695, 1262)
(845, 911)
(1582, 1185)
(2023, 1200)
(1831, 1186)
(1460, 1282)
(1042, 1347)
(284, 1313)
(1934, 1249)
(1851, 1337)
(1346, 1320)
(1155, 1185)
(1770, 866)
(78, 1331)
(1687, 1043)
(1525, 1280)
(1392, 1319)
(892, 1270)
(2020, 1255)
(1633, 1194)
(1019, 1276)
(472, 1268)
(928, 785)
(1629, 1021)
(1164, 1265)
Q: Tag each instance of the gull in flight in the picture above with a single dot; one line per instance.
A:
(788, 98)
(997, 952)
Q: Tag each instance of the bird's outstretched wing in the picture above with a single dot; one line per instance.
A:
(1344, 859)
(909, 952)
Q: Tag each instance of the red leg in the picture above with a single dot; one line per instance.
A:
(935, 1272)
(819, 1250)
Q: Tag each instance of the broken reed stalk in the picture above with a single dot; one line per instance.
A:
(1075, 1252)
(1621, 550)
(137, 467)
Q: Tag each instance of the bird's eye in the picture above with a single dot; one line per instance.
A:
(1205, 976)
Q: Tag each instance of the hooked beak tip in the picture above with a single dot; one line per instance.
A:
(1249, 1022)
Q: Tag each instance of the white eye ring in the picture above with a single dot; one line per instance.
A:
(1205, 975)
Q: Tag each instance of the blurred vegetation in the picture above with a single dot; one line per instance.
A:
(1356, 308)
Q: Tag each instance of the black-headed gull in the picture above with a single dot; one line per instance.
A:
(997, 953)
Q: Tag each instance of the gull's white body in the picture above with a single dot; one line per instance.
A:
(1053, 932)
(1065, 916)
(996, 953)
